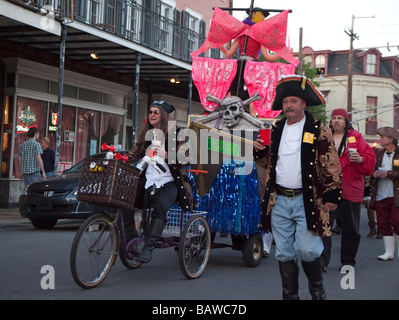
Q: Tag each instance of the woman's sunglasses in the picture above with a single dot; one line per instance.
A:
(154, 112)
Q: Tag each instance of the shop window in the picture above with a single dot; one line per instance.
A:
(33, 83)
(321, 64)
(54, 87)
(371, 121)
(10, 82)
(67, 139)
(68, 90)
(371, 64)
(87, 133)
(111, 132)
(7, 136)
(113, 100)
(30, 113)
(90, 95)
(396, 112)
(308, 59)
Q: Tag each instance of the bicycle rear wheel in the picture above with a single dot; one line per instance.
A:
(94, 250)
(194, 247)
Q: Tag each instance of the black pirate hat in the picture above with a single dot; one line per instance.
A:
(264, 12)
(297, 86)
(163, 105)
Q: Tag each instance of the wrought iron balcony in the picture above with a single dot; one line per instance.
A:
(126, 19)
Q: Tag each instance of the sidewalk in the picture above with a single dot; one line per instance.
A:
(10, 217)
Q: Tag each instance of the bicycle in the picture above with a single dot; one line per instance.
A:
(101, 238)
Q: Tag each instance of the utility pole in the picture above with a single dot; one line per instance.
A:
(350, 64)
(350, 69)
(300, 66)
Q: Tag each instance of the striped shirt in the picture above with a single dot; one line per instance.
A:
(28, 151)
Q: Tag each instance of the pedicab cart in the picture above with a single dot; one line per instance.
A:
(228, 181)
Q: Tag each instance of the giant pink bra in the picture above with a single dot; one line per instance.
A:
(271, 33)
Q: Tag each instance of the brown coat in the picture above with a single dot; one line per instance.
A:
(394, 175)
(178, 171)
(321, 174)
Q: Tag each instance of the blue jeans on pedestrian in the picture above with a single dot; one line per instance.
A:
(30, 178)
(292, 237)
(49, 174)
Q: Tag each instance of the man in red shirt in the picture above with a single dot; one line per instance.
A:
(357, 160)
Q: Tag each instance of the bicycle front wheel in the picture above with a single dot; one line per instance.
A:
(94, 250)
(194, 247)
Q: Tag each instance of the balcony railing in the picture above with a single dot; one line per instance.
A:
(128, 20)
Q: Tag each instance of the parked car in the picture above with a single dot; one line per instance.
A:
(47, 201)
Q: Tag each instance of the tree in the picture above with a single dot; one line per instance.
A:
(318, 112)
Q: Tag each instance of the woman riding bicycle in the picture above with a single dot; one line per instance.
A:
(164, 181)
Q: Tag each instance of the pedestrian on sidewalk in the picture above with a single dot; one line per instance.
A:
(357, 160)
(48, 157)
(303, 179)
(385, 190)
(30, 156)
(371, 215)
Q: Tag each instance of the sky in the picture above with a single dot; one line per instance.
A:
(324, 22)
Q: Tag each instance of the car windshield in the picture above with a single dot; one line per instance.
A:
(77, 167)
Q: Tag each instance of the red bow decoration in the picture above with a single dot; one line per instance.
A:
(271, 33)
(118, 156)
(107, 147)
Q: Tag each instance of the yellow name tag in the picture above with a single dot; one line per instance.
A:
(351, 139)
(396, 162)
(308, 137)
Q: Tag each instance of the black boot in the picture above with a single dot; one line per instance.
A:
(314, 273)
(129, 225)
(151, 238)
(289, 272)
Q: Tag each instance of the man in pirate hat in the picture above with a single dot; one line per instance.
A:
(303, 183)
(385, 190)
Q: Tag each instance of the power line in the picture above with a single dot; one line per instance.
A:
(376, 107)
(395, 106)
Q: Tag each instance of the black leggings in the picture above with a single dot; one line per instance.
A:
(162, 200)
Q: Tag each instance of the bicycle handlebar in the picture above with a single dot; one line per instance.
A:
(197, 172)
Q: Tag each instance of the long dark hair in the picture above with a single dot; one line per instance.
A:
(342, 145)
(163, 126)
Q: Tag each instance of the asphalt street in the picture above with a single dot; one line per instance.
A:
(24, 251)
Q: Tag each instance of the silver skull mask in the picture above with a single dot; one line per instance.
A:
(232, 109)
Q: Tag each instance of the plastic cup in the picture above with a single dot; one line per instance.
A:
(265, 136)
(351, 150)
(155, 143)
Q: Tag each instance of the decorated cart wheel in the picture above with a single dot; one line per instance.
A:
(194, 247)
(252, 250)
